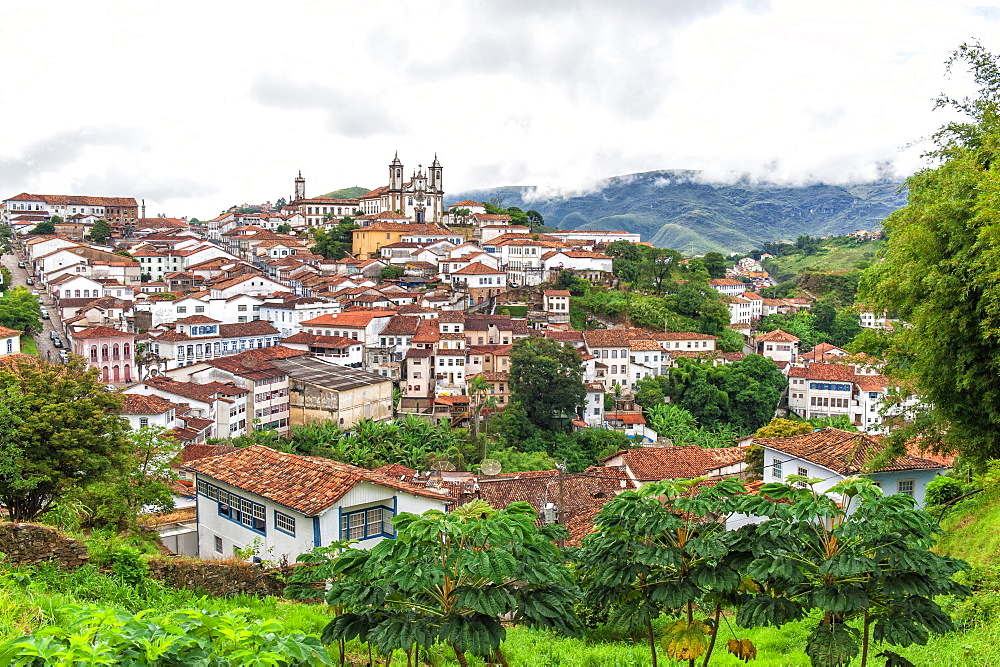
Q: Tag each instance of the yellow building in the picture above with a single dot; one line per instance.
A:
(368, 240)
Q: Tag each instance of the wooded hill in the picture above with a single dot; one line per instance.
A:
(673, 209)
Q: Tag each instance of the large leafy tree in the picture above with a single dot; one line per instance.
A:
(940, 270)
(101, 231)
(546, 377)
(60, 429)
(661, 549)
(447, 578)
(19, 309)
(742, 395)
(859, 558)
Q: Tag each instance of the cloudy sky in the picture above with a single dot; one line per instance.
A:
(198, 105)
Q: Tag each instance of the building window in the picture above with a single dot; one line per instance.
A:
(284, 523)
(776, 469)
(181, 310)
(143, 422)
(905, 486)
(218, 544)
(367, 524)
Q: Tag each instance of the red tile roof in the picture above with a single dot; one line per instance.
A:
(102, 332)
(843, 452)
(307, 484)
(653, 464)
(777, 336)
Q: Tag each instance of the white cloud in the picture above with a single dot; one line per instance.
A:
(195, 106)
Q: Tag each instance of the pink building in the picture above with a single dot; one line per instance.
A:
(110, 351)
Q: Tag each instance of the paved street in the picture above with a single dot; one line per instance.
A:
(44, 341)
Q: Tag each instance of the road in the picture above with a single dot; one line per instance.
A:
(46, 349)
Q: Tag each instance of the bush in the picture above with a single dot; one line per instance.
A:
(128, 565)
(943, 489)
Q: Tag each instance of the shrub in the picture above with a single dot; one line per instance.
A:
(943, 489)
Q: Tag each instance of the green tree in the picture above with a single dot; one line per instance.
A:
(546, 378)
(857, 557)
(651, 390)
(783, 428)
(391, 272)
(142, 482)
(280, 203)
(715, 262)
(661, 549)
(447, 578)
(101, 231)
(940, 270)
(284, 228)
(335, 242)
(62, 431)
(19, 309)
(47, 226)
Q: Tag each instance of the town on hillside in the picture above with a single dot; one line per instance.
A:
(237, 335)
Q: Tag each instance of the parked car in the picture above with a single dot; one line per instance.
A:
(30, 281)
(34, 293)
(45, 315)
(57, 342)
(20, 265)
(53, 335)
(64, 355)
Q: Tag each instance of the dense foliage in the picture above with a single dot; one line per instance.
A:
(94, 635)
(546, 379)
(447, 578)
(741, 395)
(335, 241)
(20, 310)
(941, 270)
(59, 429)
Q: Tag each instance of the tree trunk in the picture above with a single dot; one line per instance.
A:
(460, 656)
(343, 652)
(690, 619)
(715, 635)
(652, 642)
(864, 643)
(502, 658)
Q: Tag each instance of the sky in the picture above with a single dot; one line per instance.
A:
(197, 106)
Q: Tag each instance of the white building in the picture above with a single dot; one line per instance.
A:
(291, 504)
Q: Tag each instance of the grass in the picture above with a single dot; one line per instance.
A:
(28, 346)
(31, 597)
(831, 258)
(972, 530)
(515, 311)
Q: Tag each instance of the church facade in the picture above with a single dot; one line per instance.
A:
(419, 200)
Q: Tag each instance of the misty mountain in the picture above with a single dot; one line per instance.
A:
(673, 209)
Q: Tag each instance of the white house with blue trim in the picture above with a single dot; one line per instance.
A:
(831, 455)
(293, 503)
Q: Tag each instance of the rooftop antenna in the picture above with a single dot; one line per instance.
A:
(490, 467)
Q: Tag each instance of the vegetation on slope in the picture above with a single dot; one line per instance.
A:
(348, 193)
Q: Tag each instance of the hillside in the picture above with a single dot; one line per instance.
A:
(347, 193)
(674, 209)
(832, 257)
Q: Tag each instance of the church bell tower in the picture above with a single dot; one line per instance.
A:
(300, 187)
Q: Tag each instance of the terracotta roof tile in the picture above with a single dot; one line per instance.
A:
(654, 464)
(307, 484)
(843, 452)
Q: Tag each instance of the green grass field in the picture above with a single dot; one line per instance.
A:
(29, 599)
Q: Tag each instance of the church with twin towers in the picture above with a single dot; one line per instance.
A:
(418, 200)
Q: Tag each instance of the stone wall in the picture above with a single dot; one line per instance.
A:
(222, 578)
(31, 543)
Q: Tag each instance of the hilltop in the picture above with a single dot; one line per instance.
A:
(676, 209)
(348, 193)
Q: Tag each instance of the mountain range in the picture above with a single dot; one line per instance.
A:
(676, 209)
